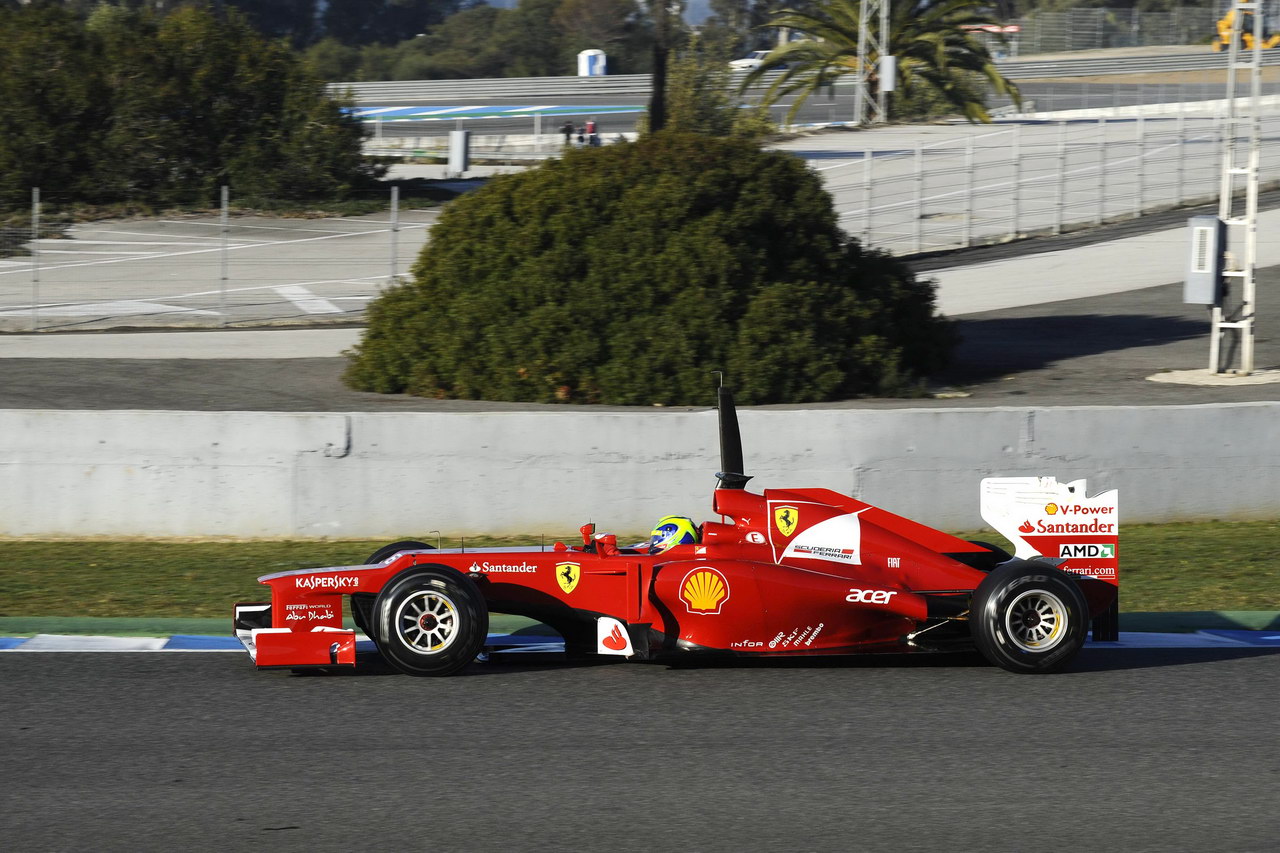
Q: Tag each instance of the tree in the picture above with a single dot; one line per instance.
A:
(936, 56)
(200, 100)
(53, 104)
(667, 23)
(700, 96)
(625, 274)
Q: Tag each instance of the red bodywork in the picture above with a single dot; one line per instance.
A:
(789, 572)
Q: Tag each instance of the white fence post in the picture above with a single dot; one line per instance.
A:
(1182, 157)
(226, 228)
(1141, 148)
(395, 233)
(1062, 176)
(1102, 171)
(969, 185)
(1017, 180)
(35, 259)
(918, 207)
(866, 196)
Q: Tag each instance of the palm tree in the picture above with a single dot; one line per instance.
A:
(936, 54)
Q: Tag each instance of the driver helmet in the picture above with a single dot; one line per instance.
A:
(672, 530)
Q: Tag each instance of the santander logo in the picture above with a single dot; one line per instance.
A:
(1026, 527)
(615, 640)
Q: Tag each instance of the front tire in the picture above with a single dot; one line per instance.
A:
(362, 602)
(1027, 616)
(430, 620)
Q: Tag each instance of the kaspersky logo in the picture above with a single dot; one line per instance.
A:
(1099, 551)
(704, 590)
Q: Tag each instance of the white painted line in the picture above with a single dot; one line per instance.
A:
(306, 300)
(273, 343)
(64, 643)
(60, 643)
(239, 237)
(265, 227)
(116, 253)
(329, 236)
(124, 308)
(76, 241)
(532, 109)
(447, 110)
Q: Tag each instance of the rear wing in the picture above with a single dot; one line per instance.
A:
(1045, 518)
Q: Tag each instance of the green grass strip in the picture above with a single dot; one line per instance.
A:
(1211, 566)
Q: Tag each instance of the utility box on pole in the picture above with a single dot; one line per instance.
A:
(459, 152)
(1203, 284)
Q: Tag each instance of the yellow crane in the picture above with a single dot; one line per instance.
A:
(1223, 39)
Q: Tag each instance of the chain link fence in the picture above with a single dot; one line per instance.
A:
(999, 184)
(192, 260)
(1094, 29)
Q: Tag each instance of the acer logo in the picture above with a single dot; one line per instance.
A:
(870, 596)
(321, 582)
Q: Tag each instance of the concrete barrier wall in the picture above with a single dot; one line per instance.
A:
(239, 474)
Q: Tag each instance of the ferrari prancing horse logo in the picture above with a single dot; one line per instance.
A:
(786, 517)
(568, 575)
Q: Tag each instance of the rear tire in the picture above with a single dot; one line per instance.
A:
(430, 620)
(1027, 616)
(362, 602)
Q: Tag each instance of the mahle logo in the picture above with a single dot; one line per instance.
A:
(1083, 549)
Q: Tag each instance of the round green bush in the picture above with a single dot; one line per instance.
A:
(626, 274)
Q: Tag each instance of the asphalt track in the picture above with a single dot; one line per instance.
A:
(1139, 750)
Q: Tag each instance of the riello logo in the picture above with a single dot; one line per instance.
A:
(326, 582)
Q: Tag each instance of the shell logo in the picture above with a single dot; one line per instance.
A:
(704, 590)
(1051, 509)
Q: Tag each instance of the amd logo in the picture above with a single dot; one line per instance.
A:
(1083, 549)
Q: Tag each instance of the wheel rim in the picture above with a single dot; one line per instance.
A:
(427, 621)
(1036, 621)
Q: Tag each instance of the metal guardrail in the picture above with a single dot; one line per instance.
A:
(1022, 69)
(525, 89)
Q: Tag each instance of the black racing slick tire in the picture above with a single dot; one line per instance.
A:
(362, 602)
(430, 620)
(1029, 617)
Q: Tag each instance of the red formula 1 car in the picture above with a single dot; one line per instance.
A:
(785, 573)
